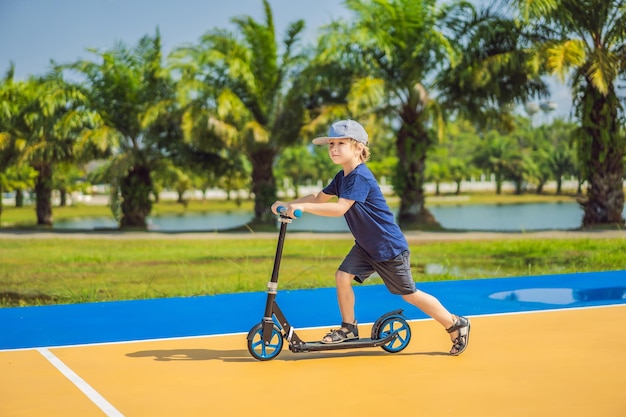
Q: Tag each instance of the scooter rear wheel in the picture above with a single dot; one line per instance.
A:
(395, 324)
(261, 351)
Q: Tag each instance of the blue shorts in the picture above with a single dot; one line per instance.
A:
(395, 273)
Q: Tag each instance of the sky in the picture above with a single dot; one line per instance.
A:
(32, 32)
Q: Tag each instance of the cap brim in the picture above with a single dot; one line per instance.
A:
(324, 140)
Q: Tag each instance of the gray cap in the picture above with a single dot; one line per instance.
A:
(344, 129)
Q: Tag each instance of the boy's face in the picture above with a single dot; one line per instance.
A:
(343, 151)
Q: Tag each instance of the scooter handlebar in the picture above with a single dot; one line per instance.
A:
(282, 210)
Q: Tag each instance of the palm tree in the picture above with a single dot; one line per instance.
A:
(295, 166)
(498, 155)
(67, 178)
(492, 72)
(461, 142)
(561, 158)
(19, 179)
(437, 169)
(9, 109)
(460, 170)
(561, 162)
(584, 41)
(406, 52)
(255, 104)
(134, 97)
(50, 119)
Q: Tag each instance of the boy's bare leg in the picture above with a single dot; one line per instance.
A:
(433, 307)
(345, 296)
(425, 302)
(345, 299)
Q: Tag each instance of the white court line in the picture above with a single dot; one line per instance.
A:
(106, 407)
(204, 336)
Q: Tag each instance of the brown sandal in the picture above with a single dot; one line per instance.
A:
(459, 344)
(347, 332)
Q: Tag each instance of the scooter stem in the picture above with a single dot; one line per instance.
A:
(279, 251)
(272, 285)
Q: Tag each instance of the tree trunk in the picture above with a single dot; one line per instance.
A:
(601, 150)
(579, 189)
(499, 181)
(540, 187)
(63, 201)
(43, 195)
(19, 198)
(263, 185)
(136, 205)
(412, 144)
(1, 202)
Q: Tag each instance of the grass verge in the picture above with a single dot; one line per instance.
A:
(37, 271)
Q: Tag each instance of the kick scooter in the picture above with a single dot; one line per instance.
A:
(391, 332)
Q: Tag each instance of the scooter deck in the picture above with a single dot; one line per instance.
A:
(350, 344)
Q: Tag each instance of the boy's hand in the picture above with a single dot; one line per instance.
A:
(278, 204)
(293, 208)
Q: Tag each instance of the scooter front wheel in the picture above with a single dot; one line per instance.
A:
(260, 350)
(395, 324)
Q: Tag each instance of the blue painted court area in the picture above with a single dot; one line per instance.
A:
(75, 324)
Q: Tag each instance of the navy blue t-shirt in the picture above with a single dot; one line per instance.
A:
(370, 220)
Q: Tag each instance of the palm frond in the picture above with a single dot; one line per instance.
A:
(230, 108)
(5, 140)
(156, 111)
(227, 132)
(535, 9)
(366, 94)
(602, 70)
(562, 56)
(102, 138)
(319, 124)
(256, 132)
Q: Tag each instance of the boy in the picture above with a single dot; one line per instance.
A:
(380, 245)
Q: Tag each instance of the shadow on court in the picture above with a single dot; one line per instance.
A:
(193, 355)
(182, 354)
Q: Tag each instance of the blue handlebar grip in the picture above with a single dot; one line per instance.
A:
(282, 210)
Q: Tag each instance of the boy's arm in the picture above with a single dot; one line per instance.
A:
(322, 206)
(315, 198)
(317, 203)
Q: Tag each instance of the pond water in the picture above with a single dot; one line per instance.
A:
(483, 217)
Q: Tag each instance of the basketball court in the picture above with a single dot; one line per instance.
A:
(540, 346)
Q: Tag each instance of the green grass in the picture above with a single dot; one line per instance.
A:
(69, 269)
(38, 271)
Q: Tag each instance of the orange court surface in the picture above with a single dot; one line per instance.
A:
(562, 362)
